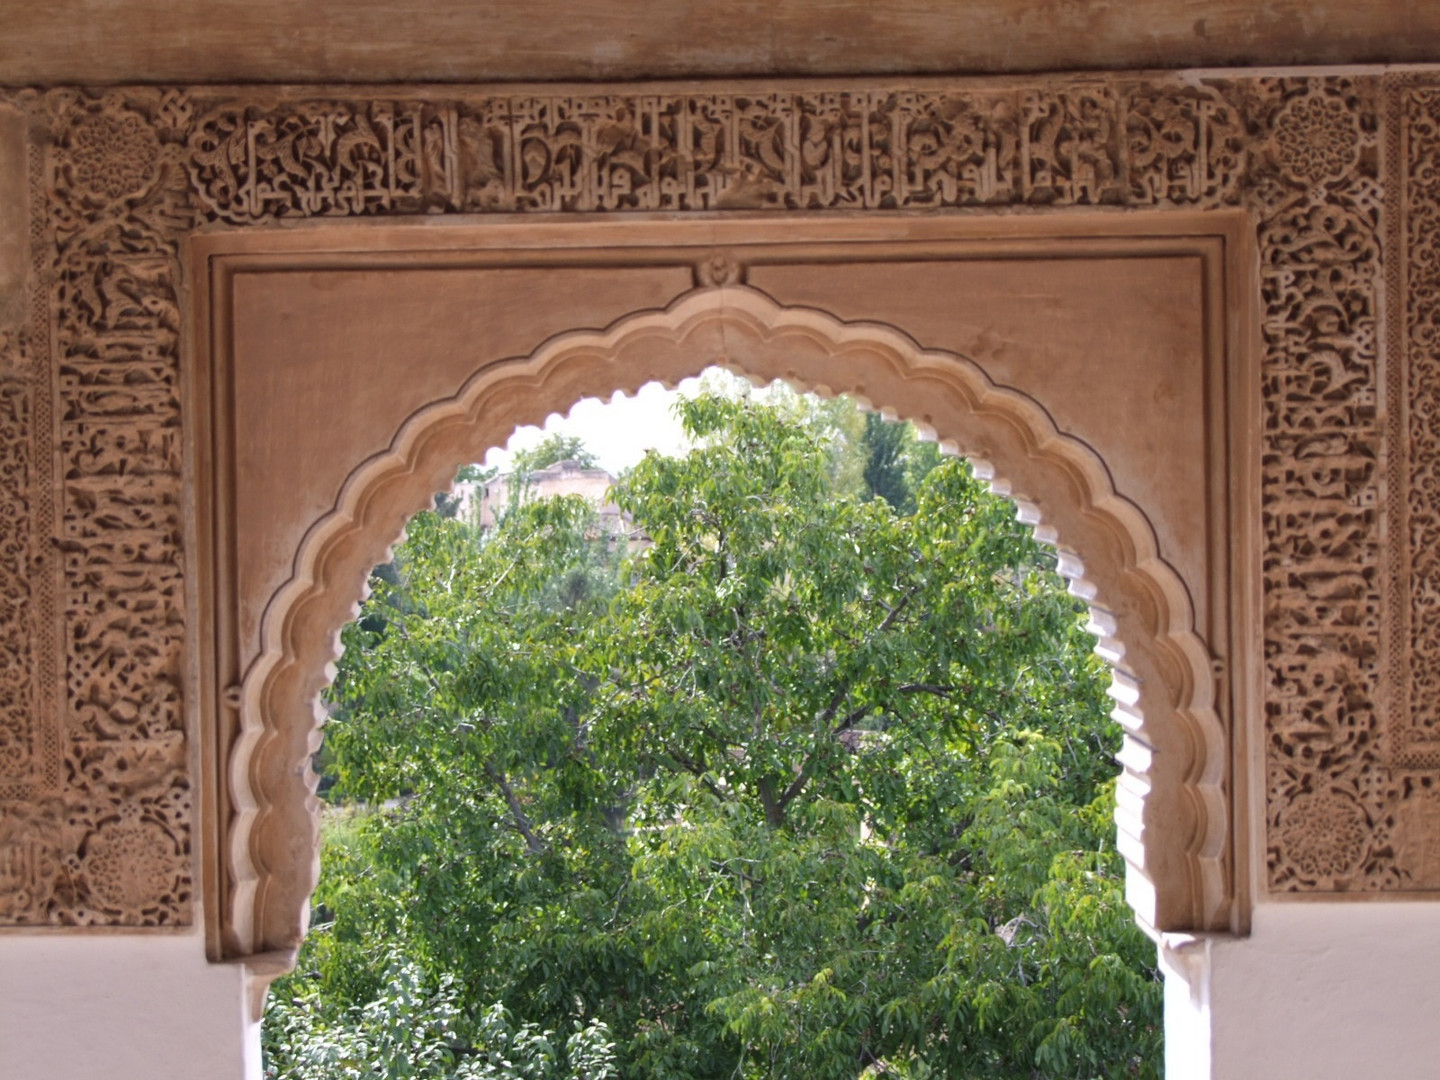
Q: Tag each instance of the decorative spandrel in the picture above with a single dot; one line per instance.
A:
(1339, 175)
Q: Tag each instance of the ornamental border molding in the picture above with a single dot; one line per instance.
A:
(1334, 170)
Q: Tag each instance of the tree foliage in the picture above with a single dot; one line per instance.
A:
(811, 784)
(412, 1030)
(553, 449)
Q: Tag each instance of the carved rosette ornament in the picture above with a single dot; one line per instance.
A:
(111, 155)
(132, 864)
(92, 573)
(1325, 835)
(1317, 137)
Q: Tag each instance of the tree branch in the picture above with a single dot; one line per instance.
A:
(836, 699)
(696, 769)
(927, 688)
(894, 613)
(774, 811)
(523, 824)
(775, 806)
(851, 720)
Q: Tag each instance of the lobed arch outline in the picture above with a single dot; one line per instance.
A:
(1171, 808)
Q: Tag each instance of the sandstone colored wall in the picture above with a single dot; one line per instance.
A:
(1337, 173)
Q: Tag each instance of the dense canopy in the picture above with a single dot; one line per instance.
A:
(813, 782)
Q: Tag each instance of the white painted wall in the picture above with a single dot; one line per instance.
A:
(1185, 963)
(1319, 991)
(102, 1006)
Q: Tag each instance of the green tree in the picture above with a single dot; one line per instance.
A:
(553, 449)
(807, 786)
(884, 463)
(896, 462)
(415, 1031)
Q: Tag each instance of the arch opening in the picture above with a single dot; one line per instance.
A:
(1171, 807)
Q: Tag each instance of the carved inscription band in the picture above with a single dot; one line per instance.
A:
(121, 176)
(1077, 145)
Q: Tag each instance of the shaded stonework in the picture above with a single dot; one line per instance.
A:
(120, 177)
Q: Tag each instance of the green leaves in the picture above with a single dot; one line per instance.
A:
(805, 786)
(417, 1029)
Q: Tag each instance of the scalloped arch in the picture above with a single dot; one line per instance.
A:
(1171, 807)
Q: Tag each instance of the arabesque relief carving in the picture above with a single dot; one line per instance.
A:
(107, 841)
(1318, 205)
(21, 756)
(1421, 345)
(1413, 497)
(893, 149)
(1333, 171)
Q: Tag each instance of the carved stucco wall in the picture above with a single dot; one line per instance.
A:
(1340, 175)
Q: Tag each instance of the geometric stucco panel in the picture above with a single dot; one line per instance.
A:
(1340, 176)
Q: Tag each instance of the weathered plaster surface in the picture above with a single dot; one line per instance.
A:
(14, 223)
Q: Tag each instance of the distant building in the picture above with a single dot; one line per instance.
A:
(484, 503)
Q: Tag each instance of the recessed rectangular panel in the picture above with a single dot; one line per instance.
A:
(326, 344)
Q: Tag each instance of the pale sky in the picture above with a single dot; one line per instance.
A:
(618, 432)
